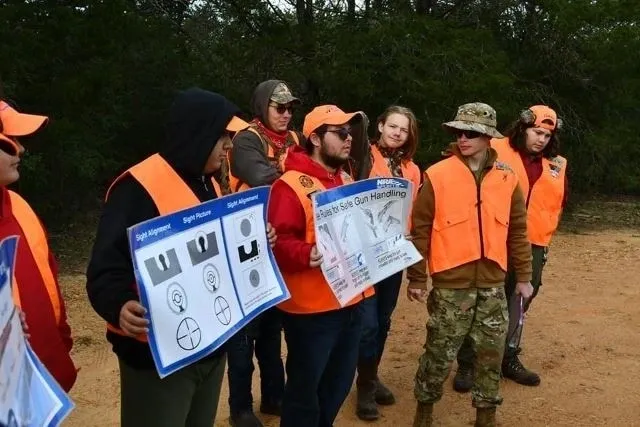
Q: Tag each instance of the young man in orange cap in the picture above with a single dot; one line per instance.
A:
(531, 149)
(36, 290)
(322, 337)
(199, 131)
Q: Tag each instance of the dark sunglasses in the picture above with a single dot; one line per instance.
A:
(281, 108)
(343, 133)
(470, 134)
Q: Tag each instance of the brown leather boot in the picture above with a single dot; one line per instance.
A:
(366, 407)
(424, 415)
(485, 417)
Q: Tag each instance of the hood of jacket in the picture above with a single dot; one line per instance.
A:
(197, 119)
(260, 99)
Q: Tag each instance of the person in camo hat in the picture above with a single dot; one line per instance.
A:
(469, 216)
(257, 158)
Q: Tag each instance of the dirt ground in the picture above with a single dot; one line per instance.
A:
(582, 335)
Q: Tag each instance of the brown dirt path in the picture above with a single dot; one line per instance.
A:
(582, 335)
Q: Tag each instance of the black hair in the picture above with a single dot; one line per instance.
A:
(516, 132)
(320, 131)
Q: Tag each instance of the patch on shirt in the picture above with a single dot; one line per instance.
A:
(501, 166)
(306, 181)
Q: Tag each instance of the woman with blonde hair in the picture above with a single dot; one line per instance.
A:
(392, 156)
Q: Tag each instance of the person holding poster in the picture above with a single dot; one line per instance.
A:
(469, 218)
(322, 337)
(531, 148)
(392, 154)
(36, 290)
(199, 131)
(256, 159)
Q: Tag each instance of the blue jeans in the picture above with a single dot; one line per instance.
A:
(321, 363)
(376, 318)
(264, 335)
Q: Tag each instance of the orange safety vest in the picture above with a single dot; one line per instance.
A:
(310, 292)
(167, 190)
(235, 183)
(469, 223)
(380, 168)
(544, 199)
(36, 240)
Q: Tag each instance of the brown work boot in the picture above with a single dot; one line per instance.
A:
(366, 384)
(485, 417)
(424, 415)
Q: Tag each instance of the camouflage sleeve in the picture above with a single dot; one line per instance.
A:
(423, 212)
(519, 248)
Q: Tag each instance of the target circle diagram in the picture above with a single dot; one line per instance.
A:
(254, 278)
(176, 298)
(211, 278)
(222, 310)
(188, 335)
(245, 227)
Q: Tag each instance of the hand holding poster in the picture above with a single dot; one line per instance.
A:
(360, 231)
(203, 273)
(29, 396)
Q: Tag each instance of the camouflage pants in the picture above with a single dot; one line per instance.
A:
(454, 313)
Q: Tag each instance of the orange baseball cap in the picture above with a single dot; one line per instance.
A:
(545, 117)
(325, 115)
(5, 141)
(19, 124)
(236, 124)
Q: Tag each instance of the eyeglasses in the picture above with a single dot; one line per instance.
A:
(470, 134)
(343, 133)
(281, 108)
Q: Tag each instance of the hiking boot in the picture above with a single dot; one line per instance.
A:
(463, 381)
(513, 369)
(383, 395)
(366, 386)
(271, 408)
(245, 419)
(424, 415)
(485, 417)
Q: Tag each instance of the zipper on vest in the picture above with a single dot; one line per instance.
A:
(478, 204)
(204, 183)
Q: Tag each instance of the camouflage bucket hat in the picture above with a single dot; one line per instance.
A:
(282, 95)
(477, 117)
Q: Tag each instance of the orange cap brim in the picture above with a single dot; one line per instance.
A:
(236, 124)
(19, 124)
(335, 118)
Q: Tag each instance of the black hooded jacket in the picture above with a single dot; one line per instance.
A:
(197, 119)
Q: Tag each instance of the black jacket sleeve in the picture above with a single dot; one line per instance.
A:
(110, 278)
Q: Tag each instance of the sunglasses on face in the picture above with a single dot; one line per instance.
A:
(343, 133)
(470, 134)
(281, 108)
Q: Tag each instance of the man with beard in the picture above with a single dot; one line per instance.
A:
(322, 337)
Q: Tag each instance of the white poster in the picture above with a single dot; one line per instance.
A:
(29, 396)
(203, 273)
(360, 231)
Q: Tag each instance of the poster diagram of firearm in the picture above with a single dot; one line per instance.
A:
(360, 231)
(203, 273)
(29, 396)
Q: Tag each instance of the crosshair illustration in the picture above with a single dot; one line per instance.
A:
(188, 335)
(222, 310)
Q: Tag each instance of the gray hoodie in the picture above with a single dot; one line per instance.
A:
(249, 162)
